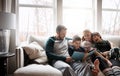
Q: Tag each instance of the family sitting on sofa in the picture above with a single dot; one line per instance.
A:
(94, 55)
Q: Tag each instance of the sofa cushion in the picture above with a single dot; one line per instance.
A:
(35, 52)
(37, 70)
(115, 40)
(40, 40)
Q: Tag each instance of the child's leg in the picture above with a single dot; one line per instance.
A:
(105, 68)
(96, 69)
(98, 54)
(103, 64)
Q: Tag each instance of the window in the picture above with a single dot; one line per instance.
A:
(111, 17)
(77, 16)
(36, 17)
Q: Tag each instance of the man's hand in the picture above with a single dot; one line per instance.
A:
(68, 59)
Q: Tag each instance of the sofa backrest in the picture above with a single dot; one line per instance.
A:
(40, 40)
(114, 39)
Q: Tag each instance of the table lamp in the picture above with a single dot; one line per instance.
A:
(7, 23)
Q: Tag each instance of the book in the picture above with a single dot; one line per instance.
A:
(80, 55)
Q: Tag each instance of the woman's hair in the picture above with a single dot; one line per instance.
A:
(85, 31)
(60, 27)
(96, 34)
(76, 38)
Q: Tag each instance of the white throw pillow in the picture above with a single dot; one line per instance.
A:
(40, 40)
(42, 58)
(36, 52)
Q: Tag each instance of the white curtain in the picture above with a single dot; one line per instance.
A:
(8, 6)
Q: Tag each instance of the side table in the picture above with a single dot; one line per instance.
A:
(4, 62)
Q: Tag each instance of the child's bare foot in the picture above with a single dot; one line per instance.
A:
(96, 64)
(96, 67)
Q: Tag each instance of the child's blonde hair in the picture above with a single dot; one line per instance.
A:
(84, 32)
(86, 44)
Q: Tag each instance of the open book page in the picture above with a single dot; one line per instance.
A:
(80, 55)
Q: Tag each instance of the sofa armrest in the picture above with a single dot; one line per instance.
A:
(19, 57)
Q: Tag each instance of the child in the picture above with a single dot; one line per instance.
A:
(102, 45)
(81, 54)
(86, 35)
(81, 68)
(88, 49)
(101, 63)
(76, 51)
(92, 51)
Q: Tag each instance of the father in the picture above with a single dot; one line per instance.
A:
(57, 51)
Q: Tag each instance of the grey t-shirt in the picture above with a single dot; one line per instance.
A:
(61, 47)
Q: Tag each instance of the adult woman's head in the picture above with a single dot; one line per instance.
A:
(96, 37)
(61, 31)
(86, 35)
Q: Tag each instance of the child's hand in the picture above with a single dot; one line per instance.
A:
(85, 57)
(68, 59)
(94, 49)
(105, 54)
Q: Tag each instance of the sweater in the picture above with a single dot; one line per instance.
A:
(57, 49)
(103, 46)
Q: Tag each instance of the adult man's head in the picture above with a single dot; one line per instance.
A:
(61, 31)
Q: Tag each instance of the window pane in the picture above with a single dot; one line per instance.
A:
(37, 2)
(77, 3)
(37, 21)
(111, 22)
(77, 20)
(111, 4)
(77, 16)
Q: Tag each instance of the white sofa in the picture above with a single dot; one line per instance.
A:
(33, 69)
(43, 69)
(115, 40)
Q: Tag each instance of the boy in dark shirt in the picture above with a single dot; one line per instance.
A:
(78, 54)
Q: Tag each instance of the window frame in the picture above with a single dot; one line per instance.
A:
(58, 13)
(33, 6)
